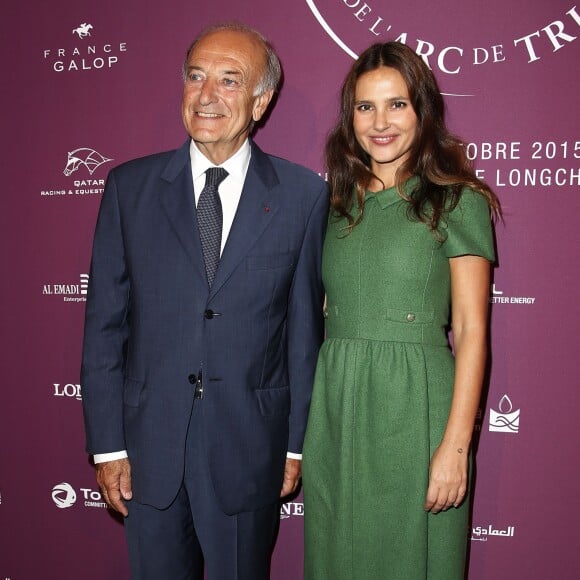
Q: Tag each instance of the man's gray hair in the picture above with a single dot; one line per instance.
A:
(272, 71)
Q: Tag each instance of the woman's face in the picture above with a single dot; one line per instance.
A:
(385, 123)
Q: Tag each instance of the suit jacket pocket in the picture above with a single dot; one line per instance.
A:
(270, 261)
(274, 401)
(132, 392)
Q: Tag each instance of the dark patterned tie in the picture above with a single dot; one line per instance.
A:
(209, 219)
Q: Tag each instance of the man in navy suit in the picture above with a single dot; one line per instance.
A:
(197, 381)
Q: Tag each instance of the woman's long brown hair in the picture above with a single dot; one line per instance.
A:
(437, 157)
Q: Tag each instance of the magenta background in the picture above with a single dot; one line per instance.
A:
(527, 480)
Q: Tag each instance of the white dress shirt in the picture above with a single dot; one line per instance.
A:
(230, 191)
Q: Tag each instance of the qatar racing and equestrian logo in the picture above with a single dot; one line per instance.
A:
(63, 495)
(80, 161)
(83, 30)
(85, 156)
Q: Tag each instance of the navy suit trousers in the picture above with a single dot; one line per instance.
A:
(176, 542)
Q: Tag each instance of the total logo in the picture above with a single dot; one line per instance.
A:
(69, 391)
(70, 292)
(65, 496)
(505, 419)
(86, 54)
(499, 297)
(83, 161)
(291, 509)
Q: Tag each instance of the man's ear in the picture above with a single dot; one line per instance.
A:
(261, 104)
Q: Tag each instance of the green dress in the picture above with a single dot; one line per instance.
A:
(382, 395)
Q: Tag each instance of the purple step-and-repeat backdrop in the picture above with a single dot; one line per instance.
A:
(88, 85)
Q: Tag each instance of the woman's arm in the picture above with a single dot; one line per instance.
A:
(470, 279)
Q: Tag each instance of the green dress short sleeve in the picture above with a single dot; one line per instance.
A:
(468, 228)
(382, 394)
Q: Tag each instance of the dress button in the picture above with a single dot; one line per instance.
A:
(410, 317)
(208, 314)
(192, 379)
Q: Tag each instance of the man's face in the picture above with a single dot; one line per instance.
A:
(218, 103)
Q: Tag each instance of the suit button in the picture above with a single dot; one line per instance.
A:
(410, 317)
(192, 379)
(208, 314)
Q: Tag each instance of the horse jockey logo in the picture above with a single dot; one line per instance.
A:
(90, 158)
(83, 30)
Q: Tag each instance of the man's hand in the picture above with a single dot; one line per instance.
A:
(114, 479)
(292, 473)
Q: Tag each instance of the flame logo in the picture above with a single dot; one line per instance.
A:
(505, 420)
(505, 404)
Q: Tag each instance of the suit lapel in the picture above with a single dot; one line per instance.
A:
(178, 202)
(256, 209)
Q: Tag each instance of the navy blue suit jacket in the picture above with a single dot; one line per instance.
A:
(147, 329)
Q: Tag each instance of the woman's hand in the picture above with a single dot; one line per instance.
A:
(447, 478)
(470, 278)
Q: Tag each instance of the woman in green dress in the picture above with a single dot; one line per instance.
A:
(407, 255)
